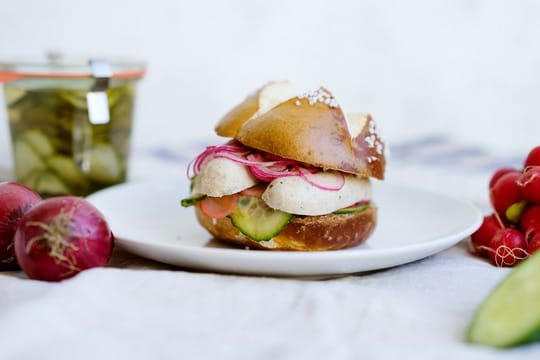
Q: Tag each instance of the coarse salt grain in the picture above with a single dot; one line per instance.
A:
(319, 95)
(371, 159)
(379, 147)
(373, 139)
(370, 139)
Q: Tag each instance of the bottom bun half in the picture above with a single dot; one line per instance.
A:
(303, 233)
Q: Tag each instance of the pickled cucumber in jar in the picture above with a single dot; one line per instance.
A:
(57, 149)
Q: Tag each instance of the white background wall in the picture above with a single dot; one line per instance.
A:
(468, 68)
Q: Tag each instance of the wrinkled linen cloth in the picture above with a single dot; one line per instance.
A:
(140, 309)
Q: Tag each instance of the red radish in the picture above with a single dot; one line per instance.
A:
(481, 238)
(534, 243)
(218, 207)
(507, 247)
(530, 184)
(15, 201)
(515, 196)
(533, 159)
(499, 173)
(61, 236)
(530, 220)
(505, 192)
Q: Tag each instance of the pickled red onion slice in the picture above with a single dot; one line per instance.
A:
(264, 167)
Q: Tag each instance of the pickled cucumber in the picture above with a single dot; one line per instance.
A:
(104, 165)
(75, 98)
(65, 168)
(56, 149)
(32, 179)
(38, 142)
(50, 185)
(26, 159)
(12, 97)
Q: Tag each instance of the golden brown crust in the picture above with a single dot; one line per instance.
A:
(307, 233)
(229, 124)
(264, 98)
(317, 134)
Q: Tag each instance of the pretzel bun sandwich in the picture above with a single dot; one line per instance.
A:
(294, 176)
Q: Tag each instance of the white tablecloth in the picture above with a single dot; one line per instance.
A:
(139, 309)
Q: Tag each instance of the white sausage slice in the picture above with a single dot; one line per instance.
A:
(295, 195)
(220, 176)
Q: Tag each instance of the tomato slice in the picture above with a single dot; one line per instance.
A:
(218, 207)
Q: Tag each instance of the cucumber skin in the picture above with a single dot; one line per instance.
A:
(531, 336)
(355, 210)
(191, 201)
(257, 238)
(270, 236)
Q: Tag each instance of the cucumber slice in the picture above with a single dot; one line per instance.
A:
(77, 98)
(32, 179)
(351, 210)
(192, 200)
(26, 159)
(104, 165)
(257, 220)
(66, 169)
(38, 141)
(12, 95)
(510, 315)
(50, 185)
(113, 94)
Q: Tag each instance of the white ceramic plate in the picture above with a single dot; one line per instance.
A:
(147, 220)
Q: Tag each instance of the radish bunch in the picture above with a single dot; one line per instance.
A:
(512, 232)
(50, 239)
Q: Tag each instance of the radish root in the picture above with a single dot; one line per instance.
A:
(504, 253)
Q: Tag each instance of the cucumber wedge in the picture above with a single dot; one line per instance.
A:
(511, 313)
(192, 200)
(64, 167)
(104, 164)
(38, 142)
(75, 98)
(50, 185)
(32, 179)
(257, 220)
(26, 159)
(12, 95)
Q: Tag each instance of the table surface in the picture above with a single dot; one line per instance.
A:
(140, 309)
